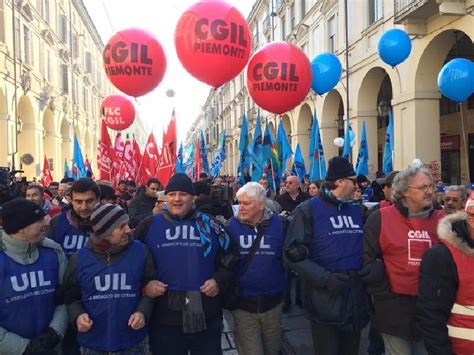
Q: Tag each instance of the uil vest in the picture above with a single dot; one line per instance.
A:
(461, 322)
(69, 237)
(337, 236)
(403, 241)
(178, 254)
(265, 274)
(110, 295)
(27, 293)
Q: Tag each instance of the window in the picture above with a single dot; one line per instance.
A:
(47, 66)
(447, 106)
(303, 8)
(283, 28)
(2, 22)
(64, 79)
(17, 38)
(85, 98)
(75, 91)
(470, 102)
(88, 62)
(27, 46)
(375, 11)
(63, 32)
(43, 9)
(332, 34)
(293, 16)
(75, 46)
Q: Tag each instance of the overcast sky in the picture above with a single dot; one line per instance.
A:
(160, 18)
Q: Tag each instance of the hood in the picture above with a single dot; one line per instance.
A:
(452, 229)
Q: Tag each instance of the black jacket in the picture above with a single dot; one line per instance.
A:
(350, 308)
(439, 283)
(140, 208)
(206, 204)
(226, 263)
(394, 313)
(288, 204)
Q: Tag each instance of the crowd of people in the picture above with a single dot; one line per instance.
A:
(86, 268)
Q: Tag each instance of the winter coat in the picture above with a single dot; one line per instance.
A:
(140, 208)
(288, 204)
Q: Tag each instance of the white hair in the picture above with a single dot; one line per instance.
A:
(254, 191)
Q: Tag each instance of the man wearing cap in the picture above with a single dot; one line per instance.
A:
(103, 286)
(194, 263)
(324, 245)
(446, 294)
(32, 319)
(395, 239)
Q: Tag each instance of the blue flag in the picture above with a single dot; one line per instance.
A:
(67, 171)
(220, 156)
(388, 148)
(256, 155)
(79, 168)
(347, 149)
(244, 162)
(283, 147)
(299, 167)
(362, 165)
(205, 162)
(317, 168)
(188, 160)
(179, 161)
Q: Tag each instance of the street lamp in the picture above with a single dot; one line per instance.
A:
(383, 107)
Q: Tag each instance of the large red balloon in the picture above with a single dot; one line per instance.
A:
(279, 77)
(118, 112)
(134, 61)
(213, 41)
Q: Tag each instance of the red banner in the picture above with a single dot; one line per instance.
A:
(46, 177)
(105, 155)
(168, 153)
(149, 162)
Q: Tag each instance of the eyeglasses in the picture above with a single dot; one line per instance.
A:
(423, 188)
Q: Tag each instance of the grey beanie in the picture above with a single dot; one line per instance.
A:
(105, 218)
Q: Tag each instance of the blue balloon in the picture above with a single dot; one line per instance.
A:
(455, 80)
(394, 46)
(327, 70)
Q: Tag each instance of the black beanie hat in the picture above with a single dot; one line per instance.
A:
(339, 168)
(180, 182)
(361, 178)
(20, 213)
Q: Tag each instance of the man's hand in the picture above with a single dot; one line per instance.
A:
(210, 288)
(155, 288)
(84, 323)
(136, 321)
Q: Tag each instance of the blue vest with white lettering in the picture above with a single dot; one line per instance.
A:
(27, 293)
(110, 295)
(265, 275)
(178, 254)
(337, 236)
(69, 237)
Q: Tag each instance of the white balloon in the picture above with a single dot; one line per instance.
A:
(170, 92)
(353, 142)
(339, 142)
(416, 163)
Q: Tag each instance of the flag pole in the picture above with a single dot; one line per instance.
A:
(273, 174)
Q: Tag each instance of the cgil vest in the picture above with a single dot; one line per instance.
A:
(403, 241)
(70, 237)
(27, 293)
(178, 254)
(337, 236)
(265, 274)
(110, 295)
(461, 322)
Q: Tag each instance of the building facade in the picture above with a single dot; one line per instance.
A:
(427, 125)
(51, 84)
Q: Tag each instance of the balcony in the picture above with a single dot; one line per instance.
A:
(418, 11)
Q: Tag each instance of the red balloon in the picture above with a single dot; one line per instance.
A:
(213, 41)
(279, 77)
(118, 112)
(134, 61)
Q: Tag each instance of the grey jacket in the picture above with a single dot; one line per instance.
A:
(27, 253)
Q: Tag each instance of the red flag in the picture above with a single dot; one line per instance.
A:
(46, 177)
(149, 162)
(105, 155)
(168, 153)
(198, 169)
(128, 162)
(137, 157)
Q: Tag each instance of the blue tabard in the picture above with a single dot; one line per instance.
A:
(110, 295)
(265, 275)
(69, 237)
(178, 254)
(27, 293)
(337, 236)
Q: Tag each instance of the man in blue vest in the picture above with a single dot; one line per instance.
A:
(103, 287)
(72, 229)
(257, 319)
(324, 245)
(193, 264)
(32, 319)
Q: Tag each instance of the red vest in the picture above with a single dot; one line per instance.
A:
(461, 322)
(385, 203)
(403, 241)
